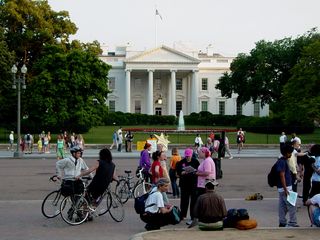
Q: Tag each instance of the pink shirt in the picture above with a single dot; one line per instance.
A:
(207, 165)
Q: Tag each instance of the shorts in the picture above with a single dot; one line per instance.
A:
(316, 217)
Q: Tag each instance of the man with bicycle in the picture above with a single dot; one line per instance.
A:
(68, 169)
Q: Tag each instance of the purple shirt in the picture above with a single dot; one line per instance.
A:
(145, 160)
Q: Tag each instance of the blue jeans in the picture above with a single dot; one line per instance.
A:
(284, 208)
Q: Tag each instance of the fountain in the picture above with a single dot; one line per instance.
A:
(181, 126)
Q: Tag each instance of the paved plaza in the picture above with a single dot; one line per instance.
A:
(25, 183)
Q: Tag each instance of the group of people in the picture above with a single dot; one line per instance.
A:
(196, 171)
(294, 166)
(117, 140)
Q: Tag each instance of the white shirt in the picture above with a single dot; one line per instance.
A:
(283, 138)
(11, 137)
(297, 139)
(67, 169)
(155, 197)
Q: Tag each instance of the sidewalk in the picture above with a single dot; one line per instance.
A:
(92, 150)
(227, 234)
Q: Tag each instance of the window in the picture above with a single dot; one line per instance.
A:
(222, 108)
(179, 84)
(137, 84)
(112, 83)
(137, 106)
(222, 61)
(204, 84)
(204, 105)
(239, 108)
(112, 106)
(158, 111)
(256, 109)
(157, 84)
(178, 107)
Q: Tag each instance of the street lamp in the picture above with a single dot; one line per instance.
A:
(18, 81)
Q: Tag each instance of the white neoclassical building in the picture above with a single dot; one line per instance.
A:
(164, 80)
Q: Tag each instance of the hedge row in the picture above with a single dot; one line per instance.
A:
(250, 124)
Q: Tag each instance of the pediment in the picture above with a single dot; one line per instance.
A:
(162, 54)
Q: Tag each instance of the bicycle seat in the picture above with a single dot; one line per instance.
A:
(129, 171)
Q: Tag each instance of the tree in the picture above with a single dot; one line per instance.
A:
(69, 90)
(6, 92)
(262, 74)
(301, 93)
(30, 25)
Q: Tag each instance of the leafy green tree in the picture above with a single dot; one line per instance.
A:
(6, 92)
(262, 74)
(30, 25)
(69, 90)
(301, 96)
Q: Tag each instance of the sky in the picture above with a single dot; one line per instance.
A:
(230, 26)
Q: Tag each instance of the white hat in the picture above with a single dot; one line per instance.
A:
(213, 182)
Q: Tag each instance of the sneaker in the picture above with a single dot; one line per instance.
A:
(231, 157)
(189, 222)
(293, 225)
(282, 225)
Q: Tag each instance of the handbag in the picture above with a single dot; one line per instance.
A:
(176, 215)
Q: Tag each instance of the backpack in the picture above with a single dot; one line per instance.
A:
(28, 137)
(139, 203)
(273, 176)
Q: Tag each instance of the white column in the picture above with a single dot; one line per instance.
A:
(173, 92)
(150, 93)
(194, 91)
(127, 90)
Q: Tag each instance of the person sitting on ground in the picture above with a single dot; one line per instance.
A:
(157, 214)
(314, 210)
(210, 209)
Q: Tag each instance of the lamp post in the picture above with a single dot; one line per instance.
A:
(18, 80)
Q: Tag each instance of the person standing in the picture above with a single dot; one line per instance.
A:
(282, 140)
(284, 185)
(60, 147)
(227, 147)
(175, 158)
(11, 141)
(156, 169)
(129, 140)
(206, 170)
(198, 141)
(240, 139)
(188, 182)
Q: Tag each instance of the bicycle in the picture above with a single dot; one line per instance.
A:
(50, 206)
(77, 208)
(126, 188)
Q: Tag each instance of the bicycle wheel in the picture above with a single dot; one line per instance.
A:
(51, 204)
(74, 210)
(104, 205)
(142, 188)
(123, 191)
(116, 210)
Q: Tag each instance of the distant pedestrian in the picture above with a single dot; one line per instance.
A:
(119, 139)
(240, 139)
(60, 147)
(198, 141)
(128, 139)
(282, 140)
(114, 140)
(11, 140)
(227, 147)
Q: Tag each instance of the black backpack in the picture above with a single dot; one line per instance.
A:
(140, 203)
(273, 176)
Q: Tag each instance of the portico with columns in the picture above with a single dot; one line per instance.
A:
(151, 80)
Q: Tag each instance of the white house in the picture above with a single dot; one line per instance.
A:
(164, 80)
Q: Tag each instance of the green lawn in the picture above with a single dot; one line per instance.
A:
(103, 134)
